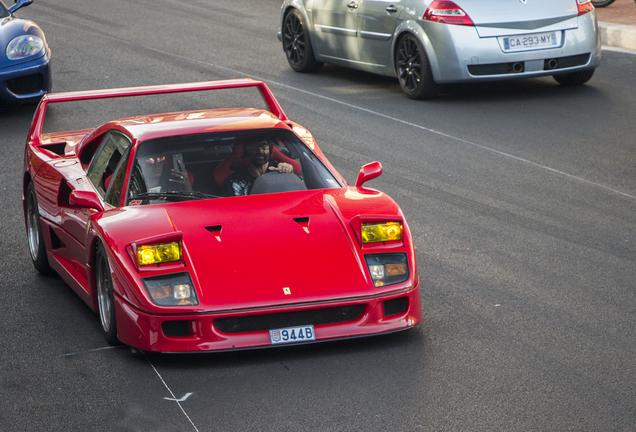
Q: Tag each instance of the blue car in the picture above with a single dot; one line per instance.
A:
(25, 71)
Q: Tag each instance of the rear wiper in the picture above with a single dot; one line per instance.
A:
(175, 195)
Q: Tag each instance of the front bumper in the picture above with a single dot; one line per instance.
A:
(201, 332)
(457, 53)
(26, 82)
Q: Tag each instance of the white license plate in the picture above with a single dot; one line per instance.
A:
(292, 334)
(530, 41)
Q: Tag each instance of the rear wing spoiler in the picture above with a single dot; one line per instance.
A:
(38, 117)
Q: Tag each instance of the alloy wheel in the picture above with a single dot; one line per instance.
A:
(409, 65)
(294, 40)
(33, 232)
(104, 292)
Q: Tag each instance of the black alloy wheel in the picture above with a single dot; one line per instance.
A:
(34, 233)
(413, 69)
(297, 45)
(105, 296)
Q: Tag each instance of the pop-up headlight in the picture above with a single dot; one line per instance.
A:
(159, 253)
(174, 289)
(381, 232)
(387, 269)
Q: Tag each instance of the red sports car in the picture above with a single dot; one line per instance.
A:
(215, 229)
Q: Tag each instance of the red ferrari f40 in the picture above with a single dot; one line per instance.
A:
(215, 229)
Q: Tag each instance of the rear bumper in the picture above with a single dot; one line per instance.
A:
(26, 82)
(457, 53)
(198, 332)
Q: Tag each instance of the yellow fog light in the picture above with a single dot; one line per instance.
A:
(382, 232)
(159, 253)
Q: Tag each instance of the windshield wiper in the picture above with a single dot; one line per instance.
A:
(175, 195)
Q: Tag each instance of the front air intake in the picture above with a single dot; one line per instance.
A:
(265, 322)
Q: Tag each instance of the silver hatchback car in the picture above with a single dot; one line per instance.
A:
(425, 43)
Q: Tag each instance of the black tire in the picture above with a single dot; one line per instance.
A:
(297, 45)
(37, 248)
(105, 296)
(575, 78)
(413, 69)
(602, 3)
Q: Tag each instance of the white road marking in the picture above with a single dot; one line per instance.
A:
(87, 351)
(173, 398)
(187, 395)
(178, 401)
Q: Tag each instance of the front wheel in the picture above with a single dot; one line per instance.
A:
(105, 296)
(575, 78)
(602, 3)
(34, 233)
(297, 45)
(413, 69)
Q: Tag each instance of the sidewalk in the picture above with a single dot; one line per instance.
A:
(617, 23)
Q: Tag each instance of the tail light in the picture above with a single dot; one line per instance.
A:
(584, 6)
(447, 12)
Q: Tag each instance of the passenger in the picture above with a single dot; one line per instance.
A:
(259, 154)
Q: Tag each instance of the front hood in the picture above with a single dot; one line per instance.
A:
(13, 27)
(243, 252)
(516, 16)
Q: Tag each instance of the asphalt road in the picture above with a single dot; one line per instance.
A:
(521, 197)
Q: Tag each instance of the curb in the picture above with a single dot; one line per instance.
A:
(618, 35)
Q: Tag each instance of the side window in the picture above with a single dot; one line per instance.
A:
(106, 161)
(115, 186)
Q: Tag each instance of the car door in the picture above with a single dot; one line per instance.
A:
(377, 20)
(334, 27)
(106, 174)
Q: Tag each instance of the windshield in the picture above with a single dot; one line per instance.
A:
(224, 164)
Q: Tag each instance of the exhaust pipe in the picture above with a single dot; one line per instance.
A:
(552, 64)
(517, 67)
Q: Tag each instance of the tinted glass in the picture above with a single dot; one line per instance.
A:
(106, 161)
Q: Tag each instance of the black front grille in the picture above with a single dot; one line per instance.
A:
(263, 322)
(26, 84)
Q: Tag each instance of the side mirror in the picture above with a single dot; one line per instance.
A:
(369, 172)
(19, 4)
(85, 199)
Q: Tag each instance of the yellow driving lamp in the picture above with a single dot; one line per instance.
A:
(381, 232)
(159, 253)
